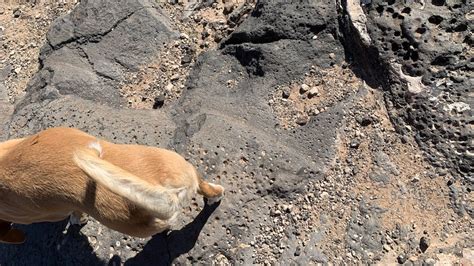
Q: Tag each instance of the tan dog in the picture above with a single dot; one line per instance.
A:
(136, 190)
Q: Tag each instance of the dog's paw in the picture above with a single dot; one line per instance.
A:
(78, 218)
(213, 200)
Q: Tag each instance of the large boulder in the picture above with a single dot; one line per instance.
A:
(420, 52)
(89, 51)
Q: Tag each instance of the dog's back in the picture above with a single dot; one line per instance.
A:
(38, 173)
(47, 176)
(41, 182)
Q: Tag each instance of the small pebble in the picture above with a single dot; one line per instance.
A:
(401, 258)
(298, 251)
(304, 88)
(313, 92)
(355, 143)
(424, 243)
(302, 120)
(16, 13)
(286, 93)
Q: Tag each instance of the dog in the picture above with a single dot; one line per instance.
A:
(64, 172)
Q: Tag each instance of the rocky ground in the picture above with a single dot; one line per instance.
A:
(341, 130)
(201, 27)
(23, 30)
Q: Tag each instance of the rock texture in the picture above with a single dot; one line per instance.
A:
(22, 33)
(281, 115)
(6, 109)
(99, 43)
(424, 50)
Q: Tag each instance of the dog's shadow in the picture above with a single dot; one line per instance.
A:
(163, 248)
(48, 244)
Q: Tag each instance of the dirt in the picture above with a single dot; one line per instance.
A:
(319, 90)
(159, 82)
(415, 196)
(201, 29)
(23, 30)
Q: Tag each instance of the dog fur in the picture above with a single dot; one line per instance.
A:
(136, 190)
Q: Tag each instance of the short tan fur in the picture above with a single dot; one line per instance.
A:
(134, 189)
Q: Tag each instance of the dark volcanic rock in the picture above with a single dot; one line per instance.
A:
(85, 58)
(87, 54)
(230, 134)
(89, 51)
(419, 52)
(237, 125)
(280, 20)
(424, 243)
(119, 125)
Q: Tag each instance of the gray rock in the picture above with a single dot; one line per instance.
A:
(411, 54)
(382, 160)
(355, 143)
(364, 120)
(363, 231)
(304, 88)
(424, 243)
(384, 168)
(269, 23)
(313, 92)
(6, 110)
(230, 136)
(5, 72)
(16, 12)
(310, 254)
(286, 93)
(402, 258)
(89, 55)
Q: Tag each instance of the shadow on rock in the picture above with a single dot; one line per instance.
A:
(46, 244)
(163, 248)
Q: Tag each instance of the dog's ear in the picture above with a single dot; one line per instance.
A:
(13, 236)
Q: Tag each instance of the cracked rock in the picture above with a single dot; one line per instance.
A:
(89, 56)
